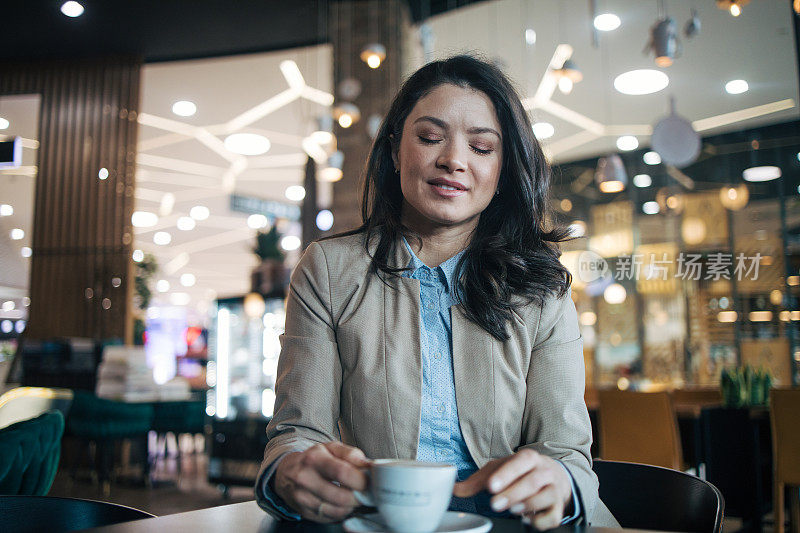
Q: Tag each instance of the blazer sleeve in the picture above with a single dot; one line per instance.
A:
(309, 375)
(555, 421)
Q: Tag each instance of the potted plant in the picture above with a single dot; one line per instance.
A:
(745, 386)
(269, 276)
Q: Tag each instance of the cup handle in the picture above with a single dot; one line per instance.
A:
(365, 497)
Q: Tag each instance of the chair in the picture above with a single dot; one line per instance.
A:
(651, 497)
(23, 514)
(29, 454)
(784, 408)
(639, 427)
(22, 403)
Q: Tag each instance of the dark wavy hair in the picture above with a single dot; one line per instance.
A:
(512, 258)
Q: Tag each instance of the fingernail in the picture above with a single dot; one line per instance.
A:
(499, 504)
(517, 508)
(496, 485)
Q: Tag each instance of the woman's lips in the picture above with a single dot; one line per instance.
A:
(446, 191)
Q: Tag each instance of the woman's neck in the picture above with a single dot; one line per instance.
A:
(439, 243)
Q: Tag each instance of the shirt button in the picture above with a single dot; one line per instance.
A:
(441, 408)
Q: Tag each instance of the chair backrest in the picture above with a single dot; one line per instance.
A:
(29, 454)
(651, 497)
(784, 411)
(56, 515)
(639, 427)
(22, 403)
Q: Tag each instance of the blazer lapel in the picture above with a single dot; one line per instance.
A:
(474, 377)
(403, 356)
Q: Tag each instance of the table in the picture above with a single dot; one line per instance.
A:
(248, 517)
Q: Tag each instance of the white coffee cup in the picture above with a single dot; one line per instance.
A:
(411, 496)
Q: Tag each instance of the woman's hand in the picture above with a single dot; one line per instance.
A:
(526, 483)
(319, 482)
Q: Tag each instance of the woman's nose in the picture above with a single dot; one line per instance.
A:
(451, 159)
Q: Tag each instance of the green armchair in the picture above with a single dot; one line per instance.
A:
(29, 454)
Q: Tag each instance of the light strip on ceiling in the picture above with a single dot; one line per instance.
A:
(582, 121)
(176, 263)
(742, 114)
(315, 95)
(573, 141)
(146, 119)
(221, 239)
(277, 161)
(161, 141)
(33, 144)
(261, 110)
(292, 75)
(169, 163)
(630, 129)
(549, 82)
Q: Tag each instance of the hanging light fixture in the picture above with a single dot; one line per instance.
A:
(373, 54)
(734, 198)
(734, 6)
(663, 41)
(610, 174)
(567, 76)
(346, 114)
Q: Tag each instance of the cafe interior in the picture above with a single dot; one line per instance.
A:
(165, 164)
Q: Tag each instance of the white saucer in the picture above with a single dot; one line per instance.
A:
(453, 522)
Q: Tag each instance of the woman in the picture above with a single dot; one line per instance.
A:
(443, 328)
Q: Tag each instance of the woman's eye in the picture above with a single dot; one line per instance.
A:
(426, 140)
(481, 151)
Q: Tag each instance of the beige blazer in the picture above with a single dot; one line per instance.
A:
(350, 369)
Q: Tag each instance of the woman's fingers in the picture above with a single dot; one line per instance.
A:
(311, 481)
(476, 482)
(543, 510)
(350, 454)
(521, 489)
(516, 466)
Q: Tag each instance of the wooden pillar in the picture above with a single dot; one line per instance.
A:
(81, 270)
(354, 24)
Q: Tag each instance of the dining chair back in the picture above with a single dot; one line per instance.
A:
(23, 514)
(655, 498)
(639, 427)
(784, 409)
(29, 454)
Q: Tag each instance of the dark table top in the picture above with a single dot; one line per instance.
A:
(248, 517)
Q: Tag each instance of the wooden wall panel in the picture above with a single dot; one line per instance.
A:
(81, 271)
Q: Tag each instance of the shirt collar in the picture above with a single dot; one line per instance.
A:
(448, 268)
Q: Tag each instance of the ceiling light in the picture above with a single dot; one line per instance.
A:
(615, 294)
(6, 326)
(543, 130)
(162, 285)
(733, 6)
(330, 174)
(8, 305)
(166, 205)
(324, 220)
(257, 221)
(761, 173)
(138, 256)
(72, 9)
(610, 174)
(247, 144)
(162, 238)
(26, 251)
(17, 234)
(292, 74)
(199, 212)
(6, 210)
(184, 108)
(641, 81)
(322, 138)
(627, 143)
(569, 71)
(4, 124)
(188, 280)
(186, 223)
(290, 242)
(530, 36)
(642, 180)
(606, 22)
(346, 114)
(650, 208)
(734, 198)
(144, 219)
(102, 174)
(736, 86)
(373, 54)
(652, 158)
(295, 193)
(663, 41)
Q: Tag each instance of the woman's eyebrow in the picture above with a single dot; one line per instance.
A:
(442, 124)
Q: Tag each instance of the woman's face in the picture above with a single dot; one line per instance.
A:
(450, 157)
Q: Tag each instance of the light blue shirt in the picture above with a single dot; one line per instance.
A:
(440, 439)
